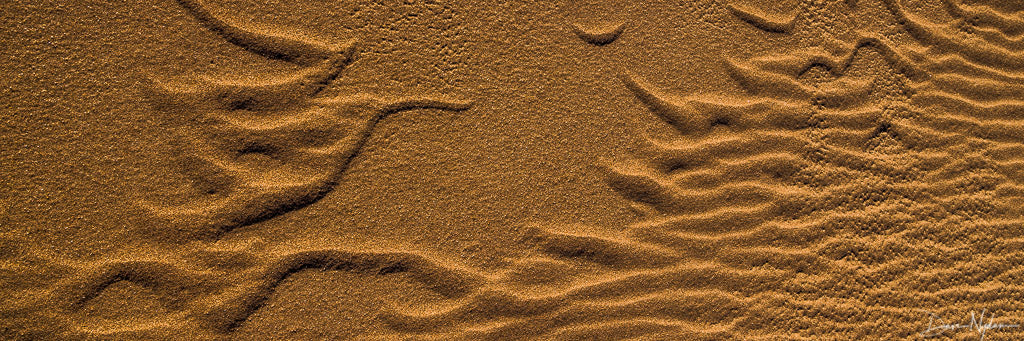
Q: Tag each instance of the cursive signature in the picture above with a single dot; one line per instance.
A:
(936, 325)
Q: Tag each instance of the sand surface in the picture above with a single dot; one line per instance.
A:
(559, 170)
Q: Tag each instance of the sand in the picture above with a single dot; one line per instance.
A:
(560, 170)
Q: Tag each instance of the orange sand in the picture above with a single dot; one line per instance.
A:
(425, 169)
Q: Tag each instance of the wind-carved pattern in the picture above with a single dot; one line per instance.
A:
(843, 187)
(276, 145)
(210, 293)
(258, 149)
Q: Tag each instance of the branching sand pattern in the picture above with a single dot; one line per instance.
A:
(262, 149)
(274, 146)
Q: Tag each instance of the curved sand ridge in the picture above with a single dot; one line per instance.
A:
(837, 197)
(602, 35)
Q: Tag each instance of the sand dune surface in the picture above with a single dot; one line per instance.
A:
(493, 170)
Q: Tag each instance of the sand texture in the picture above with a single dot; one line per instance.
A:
(505, 170)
